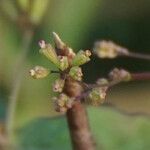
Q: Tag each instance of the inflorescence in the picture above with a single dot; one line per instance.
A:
(70, 86)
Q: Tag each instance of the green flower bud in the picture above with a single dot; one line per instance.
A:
(58, 42)
(61, 46)
(97, 95)
(58, 85)
(63, 62)
(39, 72)
(76, 73)
(49, 52)
(108, 49)
(81, 58)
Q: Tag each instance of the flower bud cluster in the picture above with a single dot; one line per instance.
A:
(76, 73)
(97, 95)
(65, 57)
(108, 49)
(58, 85)
(62, 102)
(81, 58)
(119, 75)
(49, 52)
(63, 62)
(62, 48)
(69, 85)
(39, 72)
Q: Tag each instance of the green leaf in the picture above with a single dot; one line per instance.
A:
(111, 130)
(44, 134)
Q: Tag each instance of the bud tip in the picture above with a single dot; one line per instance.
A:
(32, 72)
(42, 44)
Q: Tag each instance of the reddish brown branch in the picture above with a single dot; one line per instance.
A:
(77, 118)
(141, 76)
(79, 128)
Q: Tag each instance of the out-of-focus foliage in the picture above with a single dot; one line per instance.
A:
(111, 131)
(80, 23)
(35, 8)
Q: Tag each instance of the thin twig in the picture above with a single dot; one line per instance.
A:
(134, 77)
(91, 86)
(140, 76)
(138, 55)
(17, 78)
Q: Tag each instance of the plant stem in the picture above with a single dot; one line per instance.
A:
(77, 118)
(79, 128)
(138, 55)
(17, 78)
(140, 76)
(3, 142)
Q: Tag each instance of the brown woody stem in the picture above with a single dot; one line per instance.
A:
(77, 118)
(79, 128)
(140, 76)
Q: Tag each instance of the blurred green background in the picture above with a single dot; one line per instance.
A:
(123, 122)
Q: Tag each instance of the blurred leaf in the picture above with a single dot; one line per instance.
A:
(2, 108)
(8, 7)
(72, 18)
(44, 134)
(38, 10)
(24, 4)
(112, 131)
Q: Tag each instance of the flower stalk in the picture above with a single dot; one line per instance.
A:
(26, 41)
(68, 86)
(73, 92)
(111, 50)
(140, 76)
(79, 128)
